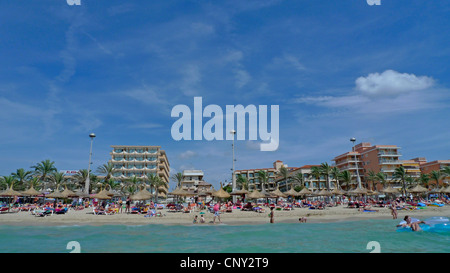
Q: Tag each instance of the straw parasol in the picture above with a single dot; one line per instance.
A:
(221, 193)
(417, 189)
(359, 190)
(292, 192)
(56, 194)
(80, 193)
(31, 192)
(256, 195)
(337, 191)
(390, 190)
(278, 193)
(446, 190)
(239, 192)
(324, 192)
(141, 195)
(9, 192)
(101, 196)
(305, 191)
(69, 193)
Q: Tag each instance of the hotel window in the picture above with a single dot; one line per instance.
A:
(250, 175)
(118, 150)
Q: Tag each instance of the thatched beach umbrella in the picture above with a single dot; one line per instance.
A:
(337, 191)
(278, 193)
(305, 192)
(80, 193)
(239, 192)
(221, 193)
(256, 195)
(69, 193)
(9, 192)
(390, 190)
(56, 194)
(31, 192)
(101, 196)
(418, 189)
(141, 195)
(324, 192)
(292, 192)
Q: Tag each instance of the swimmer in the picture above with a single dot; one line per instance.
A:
(414, 226)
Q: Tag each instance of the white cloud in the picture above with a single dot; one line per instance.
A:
(391, 82)
(187, 155)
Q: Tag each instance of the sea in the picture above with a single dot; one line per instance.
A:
(362, 236)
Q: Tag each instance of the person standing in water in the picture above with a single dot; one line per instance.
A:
(271, 215)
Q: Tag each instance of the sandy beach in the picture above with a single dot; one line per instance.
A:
(237, 217)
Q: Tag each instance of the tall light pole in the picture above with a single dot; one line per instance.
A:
(356, 163)
(233, 132)
(86, 187)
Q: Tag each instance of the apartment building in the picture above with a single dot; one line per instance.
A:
(254, 180)
(366, 157)
(436, 165)
(192, 181)
(310, 181)
(139, 161)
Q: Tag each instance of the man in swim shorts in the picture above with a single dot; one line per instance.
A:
(216, 210)
(414, 226)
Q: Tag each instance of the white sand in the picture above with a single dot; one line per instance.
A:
(237, 217)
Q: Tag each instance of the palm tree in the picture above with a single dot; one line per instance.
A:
(57, 178)
(44, 168)
(8, 181)
(34, 182)
(381, 177)
(106, 170)
(371, 177)
(80, 178)
(242, 182)
(424, 179)
(284, 172)
(401, 176)
(21, 176)
(336, 175)
(346, 177)
(435, 176)
(445, 172)
(300, 179)
(326, 170)
(264, 177)
(157, 182)
(316, 173)
(178, 177)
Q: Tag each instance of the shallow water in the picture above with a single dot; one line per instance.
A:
(340, 237)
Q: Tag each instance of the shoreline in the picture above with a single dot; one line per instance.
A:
(329, 215)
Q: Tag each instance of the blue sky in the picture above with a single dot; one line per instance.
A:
(337, 69)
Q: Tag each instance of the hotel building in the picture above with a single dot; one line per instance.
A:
(193, 181)
(366, 157)
(428, 167)
(254, 181)
(311, 182)
(139, 161)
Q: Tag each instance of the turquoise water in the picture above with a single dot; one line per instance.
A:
(341, 237)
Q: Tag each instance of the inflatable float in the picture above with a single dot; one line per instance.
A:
(433, 224)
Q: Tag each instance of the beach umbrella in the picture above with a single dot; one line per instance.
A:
(80, 193)
(101, 196)
(359, 191)
(278, 193)
(56, 194)
(390, 190)
(31, 192)
(69, 193)
(337, 191)
(239, 192)
(256, 195)
(221, 193)
(418, 189)
(304, 192)
(446, 190)
(324, 192)
(9, 192)
(141, 195)
(292, 192)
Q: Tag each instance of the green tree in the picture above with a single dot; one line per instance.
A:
(401, 176)
(106, 170)
(435, 176)
(346, 177)
(316, 173)
(178, 177)
(44, 168)
(335, 172)
(326, 170)
(57, 179)
(371, 177)
(21, 176)
(284, 173)
(242, 182)
(264, 178)
(8, 181)
(381, 178)
(424, 179)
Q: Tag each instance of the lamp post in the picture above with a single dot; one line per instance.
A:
(86, 189)
(233, 132)
(358, 179)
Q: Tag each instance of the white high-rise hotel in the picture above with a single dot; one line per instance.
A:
(139, 161)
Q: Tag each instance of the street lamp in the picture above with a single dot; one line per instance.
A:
(86, 189)
(356, 163)
(233, 132)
